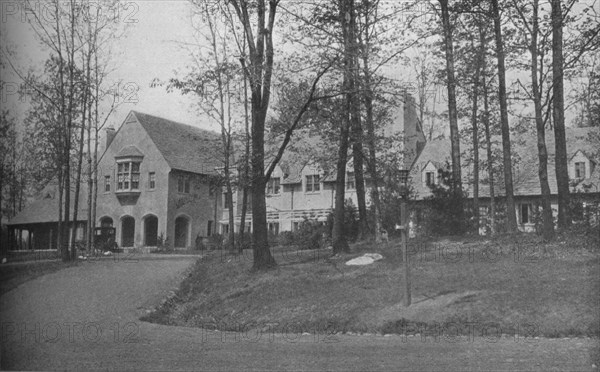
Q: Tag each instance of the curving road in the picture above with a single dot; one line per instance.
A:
(86, 318)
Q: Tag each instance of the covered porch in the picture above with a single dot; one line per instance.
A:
(40, 236)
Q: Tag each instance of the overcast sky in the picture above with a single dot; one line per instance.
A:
(148, 49)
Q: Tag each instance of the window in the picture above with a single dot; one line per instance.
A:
(151, 180)
(106, 183)
(128, 176)
(225, 201)
(525, 213)
(274, 228)
(429, 178)
(209, 228)
(183, 184)
(580, 170)
(225, 228)
(273, 186)
(313, 183)
(79, 232)
(350, 181)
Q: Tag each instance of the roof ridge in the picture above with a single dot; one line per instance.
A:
(175, 122)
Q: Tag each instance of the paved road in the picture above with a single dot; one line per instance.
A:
(86, 318)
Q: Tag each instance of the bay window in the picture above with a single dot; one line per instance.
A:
(128, 175)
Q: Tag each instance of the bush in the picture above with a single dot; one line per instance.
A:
(286, 238)
(443, 214)
(310, 235)
(215, 241)
(247, 240)
(162, 243)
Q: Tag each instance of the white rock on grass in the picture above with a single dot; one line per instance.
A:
(366, 259)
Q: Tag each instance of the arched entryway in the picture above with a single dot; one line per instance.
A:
(150, 231)
(182, 227)
(106, 222)
(127, 231)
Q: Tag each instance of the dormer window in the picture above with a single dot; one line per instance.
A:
(313, 183)
(580, 170)
(183, 184)
(128, 175)
(350, 181)
(273, 186)
(429, 179)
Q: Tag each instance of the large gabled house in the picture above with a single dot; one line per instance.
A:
(155, 180)
(158, 179)
(303, 188)
(583, 147)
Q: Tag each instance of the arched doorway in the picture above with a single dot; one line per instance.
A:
(150, 231)
(127, 231)
(106, 222)
(181, 231)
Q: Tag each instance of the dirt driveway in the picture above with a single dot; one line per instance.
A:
(86, 318)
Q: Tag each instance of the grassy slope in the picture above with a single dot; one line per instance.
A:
(553, 291)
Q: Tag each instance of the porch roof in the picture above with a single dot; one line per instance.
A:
(45, 208)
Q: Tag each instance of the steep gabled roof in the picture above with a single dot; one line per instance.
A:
(525, 167)
(184, 147)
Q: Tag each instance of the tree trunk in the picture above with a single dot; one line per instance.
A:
(356, 125)
(92, 222)
(490, 158)
(229, 196)
(90, 185)
(475, 130)
(372, 161)
(259, 74)
(260, 241)
(339, 242)
(452, 111)
(558, 115)
(547, 223)
(511, 218)
(246, 169)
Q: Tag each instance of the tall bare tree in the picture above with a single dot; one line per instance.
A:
(558, 116)
(448, 30)
(530, 24)
(511, 218)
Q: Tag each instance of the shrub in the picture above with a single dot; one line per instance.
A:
(310, 235)
(286, 238)
(247, 240)
(162, 243)
(215, 241)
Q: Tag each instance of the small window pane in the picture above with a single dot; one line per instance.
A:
(135, 181)
(152, 180)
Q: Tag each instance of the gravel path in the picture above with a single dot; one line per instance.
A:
(86, 318)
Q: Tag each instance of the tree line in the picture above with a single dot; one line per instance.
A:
(273, 72)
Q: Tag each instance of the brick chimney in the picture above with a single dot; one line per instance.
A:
(110, 135)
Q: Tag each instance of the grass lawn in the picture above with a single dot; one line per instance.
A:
(512, 285)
